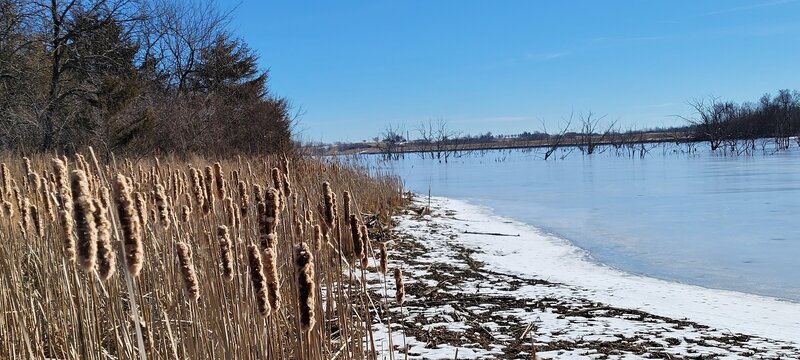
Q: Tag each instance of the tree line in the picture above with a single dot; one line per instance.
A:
(729, 127)
(133, 76)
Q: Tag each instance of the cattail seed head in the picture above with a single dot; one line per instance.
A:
(186, 213)
(306, 288)
(258, 280)
(36, 220)
(244, 200)
(318, 237)
(258, 193)
(208, 180)
(346, 199)
(277, 182)
(330, 205)
(6, 181)
(188, 274)
(106, 257)
(131, 231)
(226, 255)
(384, 258)
(271, 272)
(83, 212)
(400, 294)
(162, 204)
(355, 233)
(64, 197)
(219, 180)
(141, 207)
(197, 187)
(8, 210)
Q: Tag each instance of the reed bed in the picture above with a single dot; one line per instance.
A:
(244, 258)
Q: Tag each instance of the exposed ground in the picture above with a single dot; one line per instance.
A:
(456, 307)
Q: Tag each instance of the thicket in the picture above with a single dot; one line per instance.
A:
(133, 76)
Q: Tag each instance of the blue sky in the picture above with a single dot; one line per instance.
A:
(506, 66)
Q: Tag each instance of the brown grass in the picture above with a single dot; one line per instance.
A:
(195, 288)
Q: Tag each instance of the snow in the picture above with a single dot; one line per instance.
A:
(537, 254)
(474, 292)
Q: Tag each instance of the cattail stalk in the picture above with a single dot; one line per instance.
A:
(65, 206)
(83, 212)
(306, 288)
(271, 272)
(106, 257)
(400, 294)
(131, 231)
(257, 280)
(188, 274)
(226, 256)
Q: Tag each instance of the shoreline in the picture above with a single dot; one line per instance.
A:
(524, 290)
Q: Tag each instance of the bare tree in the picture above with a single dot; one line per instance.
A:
(593, 132)
(554, 141)
(390, 141)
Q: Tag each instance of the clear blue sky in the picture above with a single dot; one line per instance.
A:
(502, 66)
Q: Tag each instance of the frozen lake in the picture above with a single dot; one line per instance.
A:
(719, 222)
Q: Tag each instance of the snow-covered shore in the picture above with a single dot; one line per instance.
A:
(492, 287)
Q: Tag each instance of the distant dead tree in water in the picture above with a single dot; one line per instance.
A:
(390, 141)
(438, 140)
(593, 132)
(556, 140)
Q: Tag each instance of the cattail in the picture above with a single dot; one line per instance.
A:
(285, 164)
(188, 274)
(298, 227)
(306, 289)
(141, 207)
(400, 294)
(33, 181)
(364, 240)
(197, 187)
(27, 164)
(208, 204)
(355, 232)
(162, 204)
(244, 200)
(8, 209)
(186, 213)
(329, 204)
(37, 222)
(219, 180)
(83, 211)
(104, 197)
(258, 193)
(226, 255)
(346, 199)
(235, 175)
(230, 211)
(287, 187)
(318, 237)
(271, 272)
(48, 200)
(6, 181)
(384, 257)
(106, 257)
(272, 200)
(175, 184)
(134, 252)
(258, 280)
(266, 227)
(277, 182)
(64, 196)
(24, 213)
